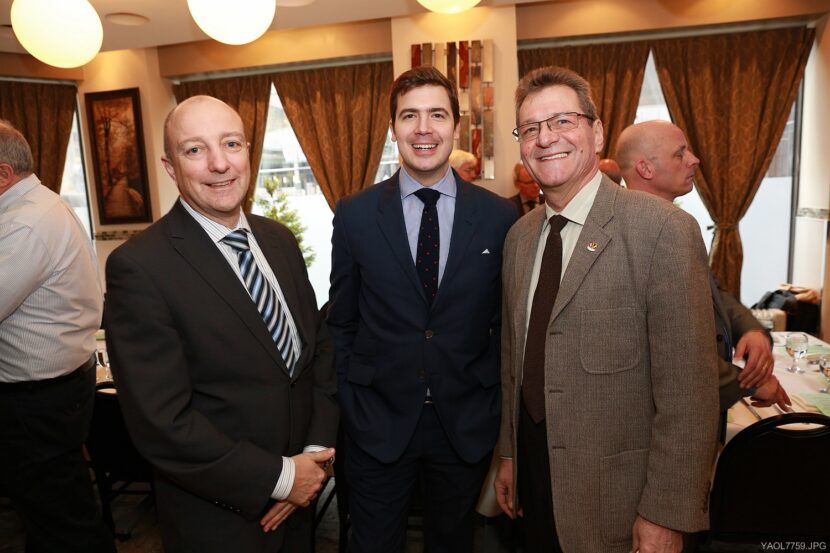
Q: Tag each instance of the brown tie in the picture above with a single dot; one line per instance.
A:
(533, 373)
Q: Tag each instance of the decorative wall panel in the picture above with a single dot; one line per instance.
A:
(469, 65)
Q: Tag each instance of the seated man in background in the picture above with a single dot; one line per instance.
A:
(50, 309)
(465, 164)
(529, 195)
(655, 158)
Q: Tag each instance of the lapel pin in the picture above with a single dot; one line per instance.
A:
(592, 246)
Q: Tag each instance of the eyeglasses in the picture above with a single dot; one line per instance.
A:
(558, 122)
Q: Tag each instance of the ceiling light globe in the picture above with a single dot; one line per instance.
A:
(448, 6)
(65, 34)
(238, 22)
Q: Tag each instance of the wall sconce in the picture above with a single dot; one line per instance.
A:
(235, 23)
(63, 34)
(448, 6)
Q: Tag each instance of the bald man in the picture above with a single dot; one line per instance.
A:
(223, 364)
(655, 158)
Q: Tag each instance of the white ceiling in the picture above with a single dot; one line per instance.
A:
(170, 21)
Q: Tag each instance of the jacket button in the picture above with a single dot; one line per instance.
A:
(429, 334)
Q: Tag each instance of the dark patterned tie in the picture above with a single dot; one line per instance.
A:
(266, 300)
(429, 241)
(533, 372)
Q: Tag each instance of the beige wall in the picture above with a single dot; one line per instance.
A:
(498, 24)
(22, 65)
(596, 17)
(814, 187)
(364, 38)
(129, 69)
(810, 264)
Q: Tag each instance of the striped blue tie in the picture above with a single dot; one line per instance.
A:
(266, 300)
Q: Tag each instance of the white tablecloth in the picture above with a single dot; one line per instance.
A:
(796, 384)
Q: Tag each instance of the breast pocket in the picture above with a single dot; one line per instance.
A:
(609, 340)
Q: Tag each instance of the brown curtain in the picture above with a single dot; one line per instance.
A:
(43, 113)
(249, 96)
(340, 117)
(731, 95)
(615, 72)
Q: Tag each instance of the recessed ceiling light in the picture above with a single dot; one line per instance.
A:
(127, 19)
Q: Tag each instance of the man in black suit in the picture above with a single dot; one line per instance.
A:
(529, 195)
(415, 318)
(222, 395)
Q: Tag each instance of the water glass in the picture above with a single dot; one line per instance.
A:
(797, 343)
(824, 367)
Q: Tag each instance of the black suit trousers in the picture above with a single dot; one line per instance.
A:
(42, 429)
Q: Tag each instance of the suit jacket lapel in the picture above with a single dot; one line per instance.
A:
(391, 223)
(527, 244)
(592, 240)
(190, 240)
(463, 227)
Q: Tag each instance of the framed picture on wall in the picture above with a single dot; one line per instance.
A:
(119, 162)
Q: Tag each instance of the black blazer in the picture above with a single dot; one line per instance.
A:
(205, 393)
(391, 344)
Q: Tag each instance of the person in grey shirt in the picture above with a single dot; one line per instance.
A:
(50, 309)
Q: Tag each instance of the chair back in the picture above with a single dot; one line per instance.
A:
(109, 444)
(772, 483)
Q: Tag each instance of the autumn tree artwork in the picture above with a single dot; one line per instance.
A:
(120, 165)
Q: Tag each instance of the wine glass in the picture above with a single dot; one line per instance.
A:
(824, 367)
(797, 349)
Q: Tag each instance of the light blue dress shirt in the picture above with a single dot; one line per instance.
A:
(413, 208)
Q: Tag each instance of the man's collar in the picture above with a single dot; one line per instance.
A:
(445, 186)
(580, 205)
(18, 189)
(215, 230)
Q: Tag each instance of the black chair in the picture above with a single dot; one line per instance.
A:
(772, 484)
(115, 461)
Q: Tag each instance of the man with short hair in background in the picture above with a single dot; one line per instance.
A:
(50, 309)
(655, 158)
(609, 423)
(529, 195)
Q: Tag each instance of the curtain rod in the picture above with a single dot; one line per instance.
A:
(683, 32)
(282, 68)
(39, 81)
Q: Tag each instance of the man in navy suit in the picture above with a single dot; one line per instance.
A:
(415, 317)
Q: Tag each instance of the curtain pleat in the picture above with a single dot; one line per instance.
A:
(614, 71)
(732, 94)
(340, 116)
(248, 95)
(43, 114)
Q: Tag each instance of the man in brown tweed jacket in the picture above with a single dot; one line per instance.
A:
(611, 448)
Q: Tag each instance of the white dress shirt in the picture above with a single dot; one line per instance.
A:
(51, 296)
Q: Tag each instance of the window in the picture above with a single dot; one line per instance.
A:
(283, 159)
(73, 185)
(765, 228)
